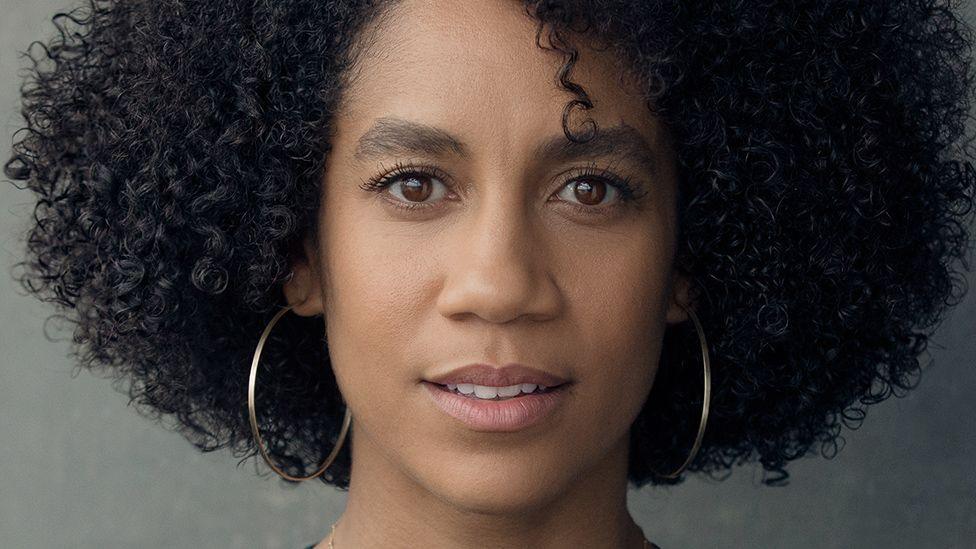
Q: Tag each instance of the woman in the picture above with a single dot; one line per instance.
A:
(461, 258)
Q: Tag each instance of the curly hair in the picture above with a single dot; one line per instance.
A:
(176, 150)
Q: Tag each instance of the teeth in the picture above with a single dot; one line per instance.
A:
(482, 391)
(509, 391)
(488, 393)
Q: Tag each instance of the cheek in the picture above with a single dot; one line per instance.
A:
(371, 299)
(620, 305)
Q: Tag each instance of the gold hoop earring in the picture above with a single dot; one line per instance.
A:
(254, 420)
(706, 398)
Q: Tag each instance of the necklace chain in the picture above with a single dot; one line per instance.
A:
(647, 544)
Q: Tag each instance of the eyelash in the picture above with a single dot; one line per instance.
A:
(624, 185)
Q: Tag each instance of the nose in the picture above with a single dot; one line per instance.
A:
(500, 269)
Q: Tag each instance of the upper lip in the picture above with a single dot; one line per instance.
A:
(510, 374)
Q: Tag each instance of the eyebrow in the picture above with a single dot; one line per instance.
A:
(392, 136)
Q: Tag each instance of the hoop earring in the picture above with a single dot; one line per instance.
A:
(254, 420)
(705, 400)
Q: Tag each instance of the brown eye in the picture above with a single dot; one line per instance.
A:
(586, 191)
(590, 192)
(416, 187)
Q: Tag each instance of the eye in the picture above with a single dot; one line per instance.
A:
(588, 187)
(588, 191)
(416, 185)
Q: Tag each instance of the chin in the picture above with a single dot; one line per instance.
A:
(495, 488)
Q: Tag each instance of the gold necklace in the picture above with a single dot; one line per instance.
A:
(647, 544)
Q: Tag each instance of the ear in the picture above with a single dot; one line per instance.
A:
(303, 289)
(680, 293)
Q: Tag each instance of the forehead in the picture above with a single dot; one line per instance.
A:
(475, 68)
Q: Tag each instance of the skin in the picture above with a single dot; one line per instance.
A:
(500, 269)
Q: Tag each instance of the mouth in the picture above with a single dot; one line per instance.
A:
(488, 392)
(497, 409)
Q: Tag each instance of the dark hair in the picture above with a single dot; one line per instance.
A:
(176, 151)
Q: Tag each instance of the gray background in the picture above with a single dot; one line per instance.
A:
(81, 469)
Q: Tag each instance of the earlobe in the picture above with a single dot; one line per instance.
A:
(301, 289)
(680, 293)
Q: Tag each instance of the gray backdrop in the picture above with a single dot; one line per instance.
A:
(81, 469)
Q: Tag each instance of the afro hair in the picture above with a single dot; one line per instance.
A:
(175, 149)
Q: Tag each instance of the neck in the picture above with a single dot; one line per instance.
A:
(387, 508)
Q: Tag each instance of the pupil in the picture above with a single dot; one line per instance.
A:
(590, 194)
(416, 189)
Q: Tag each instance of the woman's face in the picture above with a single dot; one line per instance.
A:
(509, 255)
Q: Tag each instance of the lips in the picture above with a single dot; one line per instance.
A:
(495, 416)
(510, 374)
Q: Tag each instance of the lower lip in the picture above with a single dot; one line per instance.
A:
(508, 415)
